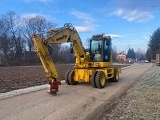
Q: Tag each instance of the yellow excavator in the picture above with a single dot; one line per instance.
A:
(94, 66)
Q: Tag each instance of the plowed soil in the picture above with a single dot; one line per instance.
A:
(17, 77)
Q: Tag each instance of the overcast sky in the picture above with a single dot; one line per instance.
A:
(129, 22)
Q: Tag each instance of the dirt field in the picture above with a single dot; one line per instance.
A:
(141, 102)
(12, 78)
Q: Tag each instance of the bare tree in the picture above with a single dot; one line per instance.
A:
(5, 42)
(16, 46)
(15, 36)
(114, 53)
(87, 44)
(35, 25)
(65, 55)
(12, 45)
(140, 54)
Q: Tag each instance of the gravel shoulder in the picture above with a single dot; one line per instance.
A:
(141, 102)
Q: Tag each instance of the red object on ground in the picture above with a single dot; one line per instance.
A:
(54, 86)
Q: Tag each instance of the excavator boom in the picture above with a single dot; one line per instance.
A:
(67, 34)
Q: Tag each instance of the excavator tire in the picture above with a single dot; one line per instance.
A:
(93, 82)
(100, 79)
(116, 75)
(66, 77)
(71, 78)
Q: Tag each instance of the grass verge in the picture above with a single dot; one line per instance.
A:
(142, 101)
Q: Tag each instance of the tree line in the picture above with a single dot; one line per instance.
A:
(152, 50)
(153, 45)
(16, 46)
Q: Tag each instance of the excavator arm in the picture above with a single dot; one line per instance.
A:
(44, 53)
(58, 36)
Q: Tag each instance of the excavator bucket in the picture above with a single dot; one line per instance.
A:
(54, 87)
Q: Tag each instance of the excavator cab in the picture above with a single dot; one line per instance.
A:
(100, 48)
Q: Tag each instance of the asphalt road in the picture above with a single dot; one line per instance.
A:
(79, 102)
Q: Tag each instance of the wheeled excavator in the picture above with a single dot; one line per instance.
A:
(94, 66)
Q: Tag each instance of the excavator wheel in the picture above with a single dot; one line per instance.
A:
(116, 75)
(71, 78)
(100, 79)
(93, 82)
(66, 77)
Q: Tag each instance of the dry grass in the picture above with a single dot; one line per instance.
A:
(142, 101)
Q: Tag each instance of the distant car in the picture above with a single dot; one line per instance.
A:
(146, 61)
(130, 60)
